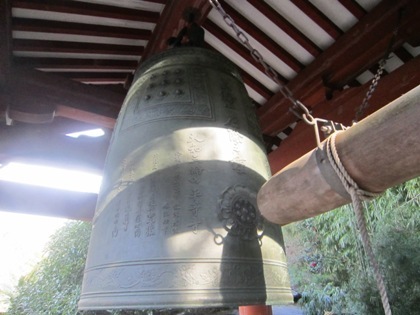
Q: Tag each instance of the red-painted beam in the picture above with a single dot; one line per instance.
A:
(85, 115)
(255, 310)
(403, 54)
(342, 109)
(5, 52)
(58, 27)
(263, 38)
(76, 63)
(75, 47)
(248, 78)
(43, 145)
(256, 85)
(355, 51)
(318, 17)
(37, 93)
(89, 9)
(98, 77)
(38, 144)
(171, 22)
(158, 1)
(233, 44)
(21, 198)
(286, 26)
(355, 8)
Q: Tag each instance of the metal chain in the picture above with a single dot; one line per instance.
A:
(372, 88)
(379, 72)
(298, 109)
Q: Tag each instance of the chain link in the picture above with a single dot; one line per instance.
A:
(372, 88)
(297, 108)
(365, 103)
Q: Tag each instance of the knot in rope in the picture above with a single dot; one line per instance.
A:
(348, 182)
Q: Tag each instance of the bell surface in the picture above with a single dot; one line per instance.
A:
(177, 223)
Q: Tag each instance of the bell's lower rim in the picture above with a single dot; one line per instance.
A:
(188, 299)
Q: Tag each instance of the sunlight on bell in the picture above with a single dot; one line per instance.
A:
(52, 177)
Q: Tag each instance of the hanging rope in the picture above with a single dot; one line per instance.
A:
(357, 195)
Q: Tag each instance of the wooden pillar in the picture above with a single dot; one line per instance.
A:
(5, 53)
(255, 310)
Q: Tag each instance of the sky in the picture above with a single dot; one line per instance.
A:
(22, 240)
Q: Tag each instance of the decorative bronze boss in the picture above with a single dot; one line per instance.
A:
(176, 224)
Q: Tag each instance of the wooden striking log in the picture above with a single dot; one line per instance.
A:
(381, 151)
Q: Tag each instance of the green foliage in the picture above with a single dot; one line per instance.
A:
(317, 301)
(396, 245)
(333, 266)
(53, 287)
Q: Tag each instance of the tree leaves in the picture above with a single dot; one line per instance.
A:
(394, 224)
(53, 287)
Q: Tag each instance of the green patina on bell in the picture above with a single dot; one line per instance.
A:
(177, 224)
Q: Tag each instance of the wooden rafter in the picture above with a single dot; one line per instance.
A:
(256, 85)
(355, 8)
(45, 144)
(89, 9)
(85, 115)
(79, 64)
(354, 52)
(171, 21)
(318, 17)
(39, 144)
(32, 89)
(246, 77)
(74, 47)
(403, 54)
(342, 109)
(235, 45)
(158, 1)
(286, 26)
(95, 76)
(5, 52)
(263, 38)
(63, 126)
(47, 201)
(58, 27)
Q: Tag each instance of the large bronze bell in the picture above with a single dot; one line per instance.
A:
(177, 224)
